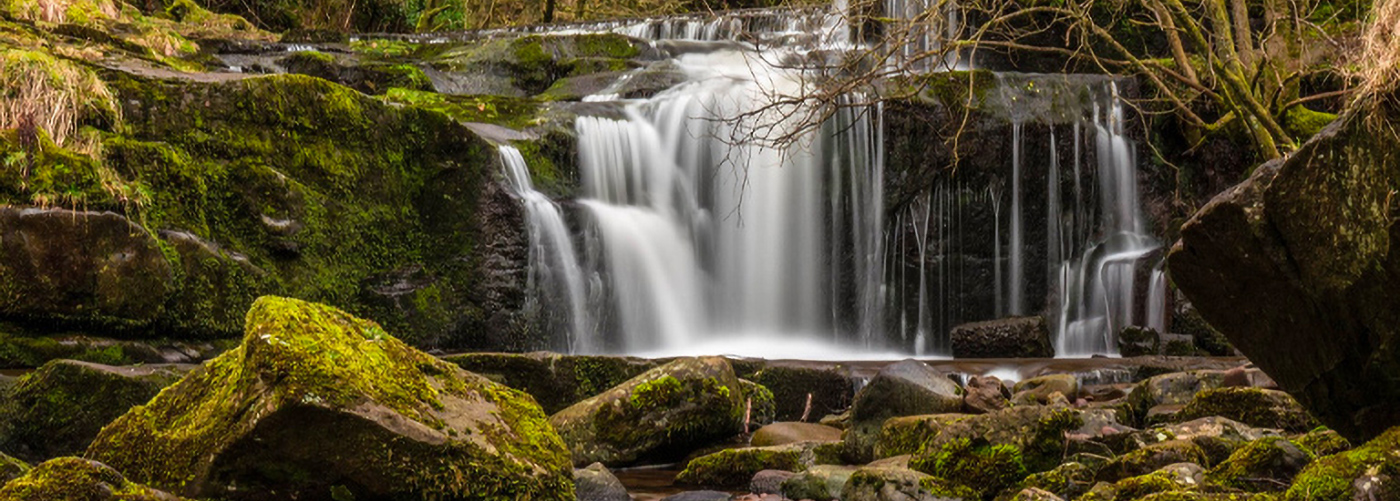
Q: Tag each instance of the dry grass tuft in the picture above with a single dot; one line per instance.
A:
(1377, 69)
(40, 92)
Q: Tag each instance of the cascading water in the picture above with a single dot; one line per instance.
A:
(698, 239)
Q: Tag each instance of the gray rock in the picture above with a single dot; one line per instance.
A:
(769, 481)
(596, 483)
(1017, 337)
(818, 483)
(698, 496)
(905, 388)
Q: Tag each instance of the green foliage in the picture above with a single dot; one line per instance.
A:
(735, 467)
(1329, 478)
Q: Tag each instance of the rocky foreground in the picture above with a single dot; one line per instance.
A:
(317, 404)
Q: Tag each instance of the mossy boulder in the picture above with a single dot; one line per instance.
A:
(758, 404)
(59, 408)
(1337, 477)
(1299, 266)
(11, 468)
(77, 479)
(663, 413)
(897, 484)
(907, 434)
(733, 468)
(596, 483)
(1038, 390)
(831, 390)
(906, 388)
(818, 483)
(1267, 464)
(1040, 433)
(316, 403)
(1034, 494)
(1251, 406)
(556, 381)
(1323, 442)
(1151, 458)
(1068, 480)
(981, 468)
(1219, 436)
(369, 77)
(1176, 388)
(791, 432)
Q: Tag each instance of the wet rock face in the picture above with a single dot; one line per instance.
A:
(1298, 267)
(57, 263)
(661, 414)
(316, 401)
(1020, 337)
(58, 409)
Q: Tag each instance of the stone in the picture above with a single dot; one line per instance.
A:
(1068, 480)
(62, 264)
(1034, 494)
(661, 414)
(11, 468)
(985, 394)
(315, 400)
(1251, 406)
(1213, 427)
(1151, 458)
(556, 381)
(734, 468)
(898, 484)
(793, 432)
(1266, 464)
(907, 434)
(1039, 433)
(1323, 442)
(1138, 341)
(58, 409)
(905, 388)
(974, 465)
(1343, 475)
(769, 481)
(70, 478)
(1176, 388)
(840, 421)
(1297, 267)
(1016, 337)
(1038, 390)
(831, 390)
(698, 496)
(818, 483)
(759, 408)
(596, 483)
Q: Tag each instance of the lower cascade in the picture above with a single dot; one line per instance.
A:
(696, 232)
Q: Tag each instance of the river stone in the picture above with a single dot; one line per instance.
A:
(98, 266)
(315, 400)
(1216, 428)
(1017, 337)
(985, 394)
(734, 468)
(76, 479)
(792, 432)
(1341, 476)
(58, 409)
(907, 434)
(1038, 390)
(830, 389)
(1040, 433)
(769, 481)
(662, 413)
(1134, 341)
(1068, 480)
(1251, 406)
(1298, 266)
(905, 388)
(1151, 458)
(1267, 464)
(698, 496)
(818, 483)
(1176, 388)
(898, 484)
(1034, 494)
(596, 483)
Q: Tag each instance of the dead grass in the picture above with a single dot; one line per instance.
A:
(1377, 69)
(55, 96)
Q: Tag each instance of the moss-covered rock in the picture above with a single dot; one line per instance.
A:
(758, 404)
(831, 390)
(1176, 388)
(1068, 480)
(316, 402)
(982, 468)
(1323, 442)
(908, 434)
(733, 468)
(1019, 337)
(58, 409)
(76, 479)
(1334, 478)
(367, 77)
(556, 381)
(906, 388)
(663, 413)
(1040, 433)
(11, 468)
(1151, 458)
(1251, 406)
(891, 484)
(818, 483)
(1267, 464)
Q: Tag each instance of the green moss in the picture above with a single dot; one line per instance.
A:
(984, 468)
(508, 112)
(1330, 478)
(1323, 442)
(1251, 406)
(384, 48)
(735, 467)
(1141, 486)
(759, 402)
(1151, 458)
(954, 89)
(1263, 464)
(1302, 123)
(70, 478)
(663, 391)
(1068, 480)
(908, 434)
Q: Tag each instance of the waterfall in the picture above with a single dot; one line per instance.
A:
(555, 279)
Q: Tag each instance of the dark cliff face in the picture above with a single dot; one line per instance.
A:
(1299, 267)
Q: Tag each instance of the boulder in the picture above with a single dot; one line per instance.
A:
(830, 389)
(70, 478)
(1017, 337)
(1298, 266)
(1251, 406)
(1068, 480)
(791, 432)
(698, 496)
(1214, 427)
(734, 468)
(58, 409)
(1038, 390)
(1176, 388)
(1351, 474)
(905, 388)
(662, 413)
(985, 394)
(556, 381)
(1039, 433)
(1136, 341)
(818, 483)
(759, 408)
(1267, 464)
(769, 481)
(1033, 494)
(1323, 442)
(1151, 458)
(974, 465)
(907, 434)
(898, 484)
(596, 483)
(315, 400)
